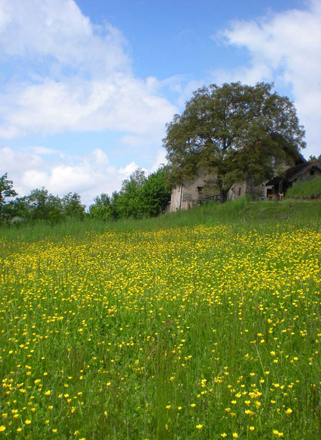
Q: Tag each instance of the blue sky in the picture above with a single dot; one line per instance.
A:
(87, 86)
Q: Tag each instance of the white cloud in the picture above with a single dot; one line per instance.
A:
(100, 156)
(128, 169)
(160, 160)
(46, 151)
(58, 29)
(89, 175)
(284, 48)
(121, 103)
(76, 76)
(63, 73)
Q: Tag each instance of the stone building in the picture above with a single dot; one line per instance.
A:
(188, 195)
(292, 176)
(194, 191)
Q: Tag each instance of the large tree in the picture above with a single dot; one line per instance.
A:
(232, 132)
(6, 191)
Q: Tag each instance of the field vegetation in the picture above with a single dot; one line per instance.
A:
(310, 189)
(195, 325)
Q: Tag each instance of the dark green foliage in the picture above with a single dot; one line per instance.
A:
(72, 207)
(102, 208)
(6, 191)
(313, 158)
(44, 206)
(129, 202)
(139, 197)
(155, 193)
(39, 205)
(232, 132)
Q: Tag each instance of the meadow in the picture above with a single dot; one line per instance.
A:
(199, 325)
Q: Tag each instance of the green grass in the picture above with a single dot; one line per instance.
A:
(194, 325)
(240, 211)
(310, 189)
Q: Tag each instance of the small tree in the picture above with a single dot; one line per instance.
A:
(101, 208)
(232, 132)
(72, 207)
(6, 191)
(129, 202)
(44, 206)
(155, 194)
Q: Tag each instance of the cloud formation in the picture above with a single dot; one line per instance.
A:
(63, 73)
(89, 174)
(76, 76)
(284, 48)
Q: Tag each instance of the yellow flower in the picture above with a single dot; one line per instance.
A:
(2, 428)
(27, 422)
(47, 393)
(199, 426)
(235, 435)
(223, 435)
(289, 411)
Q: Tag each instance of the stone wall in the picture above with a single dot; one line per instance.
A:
(187, 196)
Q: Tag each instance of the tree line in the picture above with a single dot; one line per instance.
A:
(232, 133)
(140, 196)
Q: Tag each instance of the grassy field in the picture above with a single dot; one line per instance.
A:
(198, 325)
(310, 189)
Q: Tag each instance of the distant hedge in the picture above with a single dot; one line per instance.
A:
(311, 189)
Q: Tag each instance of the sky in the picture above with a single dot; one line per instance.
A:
(87, 87)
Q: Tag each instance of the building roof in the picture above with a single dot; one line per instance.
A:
(294, 172)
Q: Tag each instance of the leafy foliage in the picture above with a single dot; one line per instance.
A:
(39, 205)
(313, 158)
(6, 191)
(139, 197)
(232, 132)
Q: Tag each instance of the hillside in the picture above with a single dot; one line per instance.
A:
(310, 189)
(196, 325)
(238, 212)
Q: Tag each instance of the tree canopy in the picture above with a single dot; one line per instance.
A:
(6, 191)
(139, 197)
(232, 132)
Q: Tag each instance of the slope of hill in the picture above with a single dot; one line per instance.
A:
(310, 189)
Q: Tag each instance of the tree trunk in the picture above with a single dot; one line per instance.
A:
(223, 195)
(250, 187)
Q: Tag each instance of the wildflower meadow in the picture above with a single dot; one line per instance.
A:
(191, 332)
